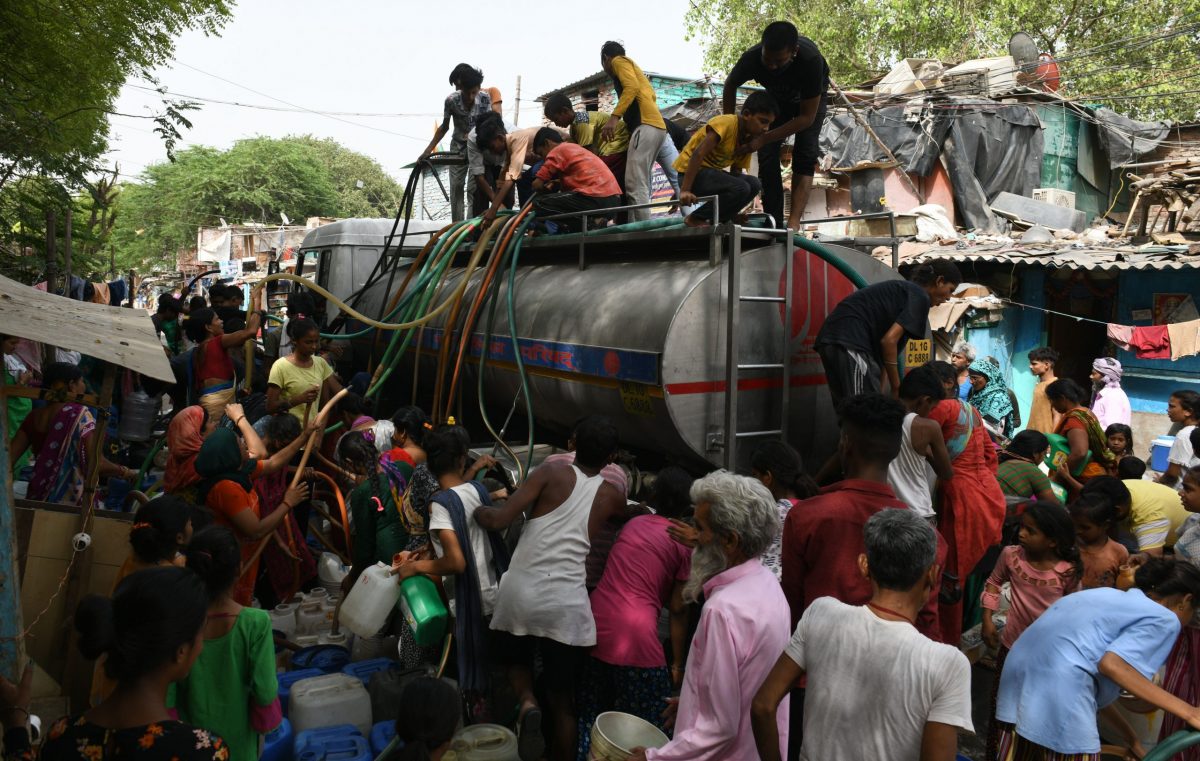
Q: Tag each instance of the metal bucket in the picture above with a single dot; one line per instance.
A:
(616, 734)
(137, 416)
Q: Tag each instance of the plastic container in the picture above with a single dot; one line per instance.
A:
(616, 734)
(364, 670)
(1060, 450)
(367, 607)
(138, 412)
(1160, 448)
(423, 610)
(329, 700)
(341, 639)
(329, 607)
(330, 572)
(310, 619)
(328, 659)
(288, 679)
(277, 744)
(385, 687)
(283, 619)
(337, 743)
(381, 734)
(318, 594)
(486, 742)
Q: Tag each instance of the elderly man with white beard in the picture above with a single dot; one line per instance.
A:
(744, 625)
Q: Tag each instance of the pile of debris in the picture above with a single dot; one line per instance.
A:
(1175, 189)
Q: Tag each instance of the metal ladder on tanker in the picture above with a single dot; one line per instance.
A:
(733, 364)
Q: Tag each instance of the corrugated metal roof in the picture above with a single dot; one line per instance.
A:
(1062, 256)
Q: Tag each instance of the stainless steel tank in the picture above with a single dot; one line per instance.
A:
(640, 333)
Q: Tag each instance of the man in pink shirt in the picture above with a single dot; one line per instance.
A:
(571, 178)
(743, 627)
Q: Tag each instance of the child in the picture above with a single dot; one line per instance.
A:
(779, 467)
(585, 128)
(462, 109)
(1187, 546)
(1120, 440)
(463, 549)
(1044, 567)
(1183, 408)
(1042, 417)
(287, 561)
(428, 721)
(1095, 516)
(1182, 678)
(232, 689)
(570, 179)
(299, 381)
(714, 149)
(212, 366)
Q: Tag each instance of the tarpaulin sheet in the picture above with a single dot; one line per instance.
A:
(915, 144)
(991, 148)
(1125, 140)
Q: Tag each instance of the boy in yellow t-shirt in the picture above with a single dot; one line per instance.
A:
(712, 150)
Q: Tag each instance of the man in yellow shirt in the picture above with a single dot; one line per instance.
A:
(647, 130)
(712, 150)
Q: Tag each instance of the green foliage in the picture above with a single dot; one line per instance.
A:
(1107, 47)
(63, 65)
(254, 180)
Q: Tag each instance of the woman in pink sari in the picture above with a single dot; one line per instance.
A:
(970, 506)
(59, 435)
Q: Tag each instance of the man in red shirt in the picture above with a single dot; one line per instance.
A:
(571, 179)
(823, 536)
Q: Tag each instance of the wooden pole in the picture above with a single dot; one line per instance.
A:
(12, 625)
(48, 354)
(912, 188)
(77, 676)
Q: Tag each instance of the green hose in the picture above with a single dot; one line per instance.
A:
(512, 332)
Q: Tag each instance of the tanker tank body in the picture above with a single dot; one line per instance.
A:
(639, 334)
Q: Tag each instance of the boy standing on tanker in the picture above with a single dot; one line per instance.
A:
(646, 126)
(791, 68)
(712, 150)
(463, 106)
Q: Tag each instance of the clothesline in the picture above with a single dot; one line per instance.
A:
(1171, 341)
(1051, 311)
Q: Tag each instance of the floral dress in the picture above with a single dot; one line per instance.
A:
(80, 740)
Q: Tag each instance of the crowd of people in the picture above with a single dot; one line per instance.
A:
(590, 161)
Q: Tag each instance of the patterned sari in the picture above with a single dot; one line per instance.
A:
(1102, 457)
(285, 574)
(60, 472)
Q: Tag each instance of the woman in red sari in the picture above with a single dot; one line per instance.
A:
(970, 506)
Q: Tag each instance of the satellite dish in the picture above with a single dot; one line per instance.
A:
(1024, 51)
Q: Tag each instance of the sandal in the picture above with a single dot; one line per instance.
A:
(531, 746)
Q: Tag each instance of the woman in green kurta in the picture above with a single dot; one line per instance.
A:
(232, 689)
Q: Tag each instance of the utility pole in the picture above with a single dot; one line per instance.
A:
(48, 354)
(517, 104)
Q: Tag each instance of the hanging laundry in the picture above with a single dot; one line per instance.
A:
(117, 290)
(1120, 335)
(1184, 337)
(100, 293)
(1151, 342)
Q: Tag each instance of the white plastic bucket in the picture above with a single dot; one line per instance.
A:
(616, 734)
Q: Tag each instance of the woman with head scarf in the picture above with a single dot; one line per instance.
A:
(989, 395)
(1110, 404)
(228, 470)
(185, 435)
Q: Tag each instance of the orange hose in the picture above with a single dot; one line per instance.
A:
(480, 297)
(341, 506)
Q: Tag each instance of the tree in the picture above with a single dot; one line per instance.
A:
(1137, 58)
(255, 180)
(64, 62)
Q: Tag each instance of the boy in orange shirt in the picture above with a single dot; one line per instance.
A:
(570, 178)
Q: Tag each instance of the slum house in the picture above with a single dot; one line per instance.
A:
(975, 159)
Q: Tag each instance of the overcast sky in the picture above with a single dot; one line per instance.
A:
(380, 57)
